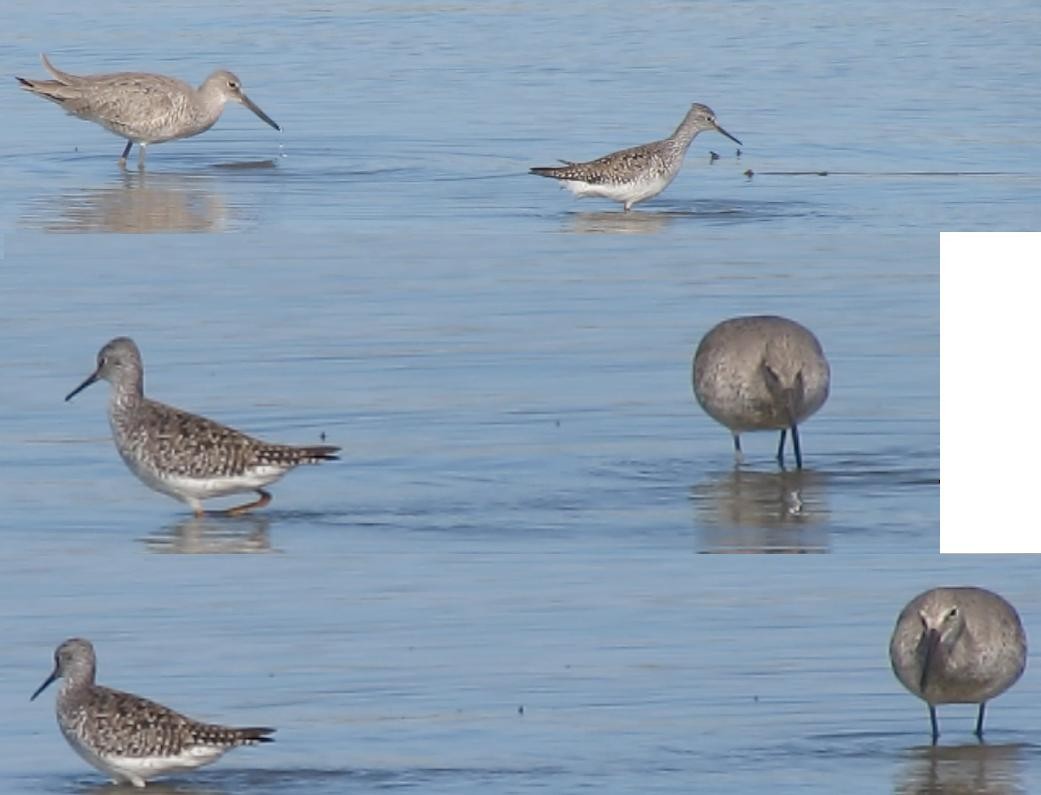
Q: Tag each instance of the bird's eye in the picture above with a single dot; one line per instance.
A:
(232, 84)
(952, 613)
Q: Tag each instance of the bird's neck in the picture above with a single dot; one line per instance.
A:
(126, 395)
(686, 132)
(77, 686)
(210, 103)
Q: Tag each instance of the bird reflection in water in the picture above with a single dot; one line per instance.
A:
(616, 223)
(979, 769)
(748, 511)
(213, 535)
(134, 203)
(173, 787)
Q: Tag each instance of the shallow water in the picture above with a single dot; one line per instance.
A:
(504, 586)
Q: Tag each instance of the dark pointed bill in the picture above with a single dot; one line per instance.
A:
(261, 115)
(932, 642)
(90, 380)
(46, 683)
(728, 135)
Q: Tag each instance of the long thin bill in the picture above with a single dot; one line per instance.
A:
(932, 644)
(46, 683)
(90, 380)
(260, 114)
(728, 135)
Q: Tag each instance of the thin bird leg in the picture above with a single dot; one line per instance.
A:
(979, 721)
(238, 510)
(780, 448)
(738, 455)
(126, 151)
(795, 444)
(141, 157)
(932, 719)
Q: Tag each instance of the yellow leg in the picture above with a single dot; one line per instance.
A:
(263, 500)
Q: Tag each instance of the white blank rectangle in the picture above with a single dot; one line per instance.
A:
(990, 329)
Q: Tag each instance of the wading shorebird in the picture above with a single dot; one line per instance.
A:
(189, 457)
(129, 738)
(760, 373)
(640, 172)
(143, 108)
(958, 646)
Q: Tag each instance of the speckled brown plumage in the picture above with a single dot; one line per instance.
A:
(123, 724)
(640, 172)
(617, 168)
(176, 442)
(187, 456)
(128, 737)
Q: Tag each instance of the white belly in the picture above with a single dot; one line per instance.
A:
(146, 767)
(204, 488)
(138, 769)
(188, 489)
(632, 192)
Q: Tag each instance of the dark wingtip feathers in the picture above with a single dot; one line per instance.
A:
(567, 171)
(288, 456)
(225, 736)
(322, 453)
(257, 734)
(543, 171)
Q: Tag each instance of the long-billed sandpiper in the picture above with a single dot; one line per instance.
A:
(640, 172)
(958, 646)
(761, 372)
(189, 457)
(143, 108)
(129, 738)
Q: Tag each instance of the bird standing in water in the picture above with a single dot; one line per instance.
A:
(640, 172)
(188, 457)
(143, 108)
